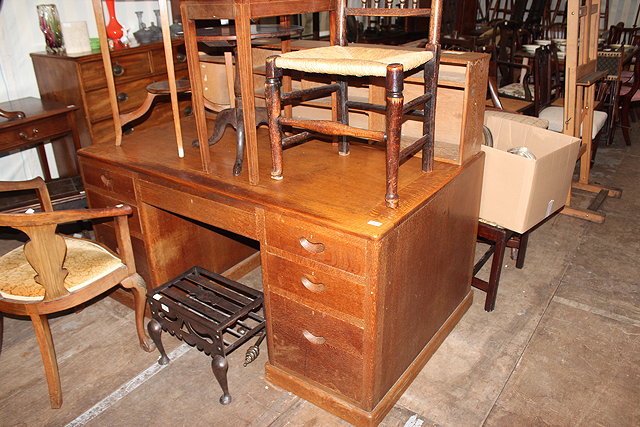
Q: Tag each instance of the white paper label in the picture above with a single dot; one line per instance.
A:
(549, 208)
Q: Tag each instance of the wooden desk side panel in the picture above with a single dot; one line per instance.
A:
(426, 273)
(475, 95)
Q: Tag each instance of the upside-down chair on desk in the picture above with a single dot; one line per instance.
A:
(344, 61)
(52, 273)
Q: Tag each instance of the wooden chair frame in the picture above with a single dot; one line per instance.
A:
(46, 252)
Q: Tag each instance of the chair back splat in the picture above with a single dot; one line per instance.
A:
(340, 61)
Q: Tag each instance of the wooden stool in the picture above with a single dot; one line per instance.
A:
(211, 312)
(498, 239)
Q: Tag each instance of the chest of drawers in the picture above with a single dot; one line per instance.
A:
(80, 80)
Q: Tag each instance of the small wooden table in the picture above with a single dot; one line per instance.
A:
(44, 121)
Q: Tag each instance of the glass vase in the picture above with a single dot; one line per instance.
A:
(115, 31)
(51, 28)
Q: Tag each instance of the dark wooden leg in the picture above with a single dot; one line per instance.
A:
(625, 120)
(428, 124)
(1, 330)
(136, 284)
(274, 109)
(155, 330)
(343, 114)
(502, 238)
(522, 250)
(237, 166)
(48, 352)
(220, 367)
(395, 101)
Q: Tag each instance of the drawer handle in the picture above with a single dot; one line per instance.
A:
(123, 97)
(312, 338)
(313, 287)
(181, 57)
(312, 247)
(118, 70)
(33, 137)
(107, 182)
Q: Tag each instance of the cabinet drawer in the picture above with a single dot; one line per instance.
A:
(97, 200)
(114, 184)
(317, 243)
(40, 130)
(159, 63)
(314, 287)
(129, 95)
(333, 358)
(124, 67)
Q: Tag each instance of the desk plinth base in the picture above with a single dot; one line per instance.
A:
(318, 395)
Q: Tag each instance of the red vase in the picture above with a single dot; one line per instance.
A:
(114, 29)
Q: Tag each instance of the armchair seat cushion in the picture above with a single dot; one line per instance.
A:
(85, 261)
(351, 60)
(555, 116)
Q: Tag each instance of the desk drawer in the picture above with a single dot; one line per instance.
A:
(130, 96)
(317, 346)
(97, 200)
(32, 133)
(116, 185)
(318, 243)
(314, 287)
(125, 67)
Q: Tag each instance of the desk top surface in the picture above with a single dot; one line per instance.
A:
(33, 108)
(346, 193)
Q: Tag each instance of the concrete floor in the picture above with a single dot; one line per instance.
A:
(561, 348)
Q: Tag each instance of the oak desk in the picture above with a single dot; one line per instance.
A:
(357, 296)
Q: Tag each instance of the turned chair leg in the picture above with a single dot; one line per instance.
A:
(395, 102)
(342, 114)
(273, 83)
(428, 123)
(155, 330)
(136, 284)
(48, 352)
(220, 367)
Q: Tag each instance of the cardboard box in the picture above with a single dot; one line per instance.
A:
(517, 192)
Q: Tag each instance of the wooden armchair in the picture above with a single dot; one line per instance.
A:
(52, 273)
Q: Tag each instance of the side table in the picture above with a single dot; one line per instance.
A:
(225, 36)
(43, 121)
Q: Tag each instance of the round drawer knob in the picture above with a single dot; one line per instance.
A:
(312, 247)
(181, 57)
(118, 70)
(123, 97)
(312, 338)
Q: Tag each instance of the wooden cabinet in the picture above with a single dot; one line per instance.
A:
(80, 80)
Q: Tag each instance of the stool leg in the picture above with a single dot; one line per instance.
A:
(155, 330)
(395, 101)
(274, 109)
(522, 250)
(496, 269)
(343, 114)
(220, 367)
